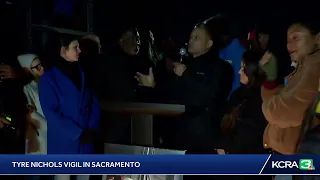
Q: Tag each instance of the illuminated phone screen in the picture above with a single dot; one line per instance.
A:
(8, 118)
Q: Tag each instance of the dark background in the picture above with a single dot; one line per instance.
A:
(165, 18)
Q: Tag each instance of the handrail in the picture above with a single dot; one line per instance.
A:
(142, 108)
(60, 30)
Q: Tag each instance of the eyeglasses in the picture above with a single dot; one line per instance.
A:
(37, 67)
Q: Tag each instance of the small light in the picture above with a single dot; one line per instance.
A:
(8, 118)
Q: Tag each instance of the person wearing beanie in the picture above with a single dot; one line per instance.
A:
(37, 128)
(36, 134)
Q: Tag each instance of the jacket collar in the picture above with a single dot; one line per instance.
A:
(310, 58)
(313, 57)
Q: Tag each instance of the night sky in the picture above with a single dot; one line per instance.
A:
(174, 18)
(177, 17)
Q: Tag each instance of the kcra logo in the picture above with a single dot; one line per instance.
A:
(304, 164)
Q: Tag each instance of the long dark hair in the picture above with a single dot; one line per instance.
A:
(256, 77)
(252, 69)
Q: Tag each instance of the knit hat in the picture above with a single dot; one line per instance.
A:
(25, 60)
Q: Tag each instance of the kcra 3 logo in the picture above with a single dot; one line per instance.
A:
(302, 164)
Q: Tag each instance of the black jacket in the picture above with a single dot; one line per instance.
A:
(247, 135)
(14, 104)
(204, 88)
(90, 59)
(205, 83)
(71, 70)
(115, 79)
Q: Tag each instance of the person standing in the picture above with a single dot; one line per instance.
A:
(243, 124)
(232, 50)
(90, 57)
(70, 107)
(116, 83)
(233, 54)
(203, 85)
(36, 135)
(37, 131)
(124, 60)
(285, 108)
(13, 106)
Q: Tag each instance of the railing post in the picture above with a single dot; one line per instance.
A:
(90, 16)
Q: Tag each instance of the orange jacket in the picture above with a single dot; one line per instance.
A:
(285, 107)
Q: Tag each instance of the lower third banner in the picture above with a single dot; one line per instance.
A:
(158, 164)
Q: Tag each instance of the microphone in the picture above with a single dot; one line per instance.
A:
(294, 64)
(183, 53)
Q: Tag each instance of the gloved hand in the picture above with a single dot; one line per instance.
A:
(89, 136)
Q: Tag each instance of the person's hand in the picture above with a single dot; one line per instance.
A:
(32, 121)
(265, 58)
(220, 151)
(146, 80)
(3, 122)
(178, 68)
(7, 72)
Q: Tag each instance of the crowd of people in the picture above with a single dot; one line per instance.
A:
(235, 100)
